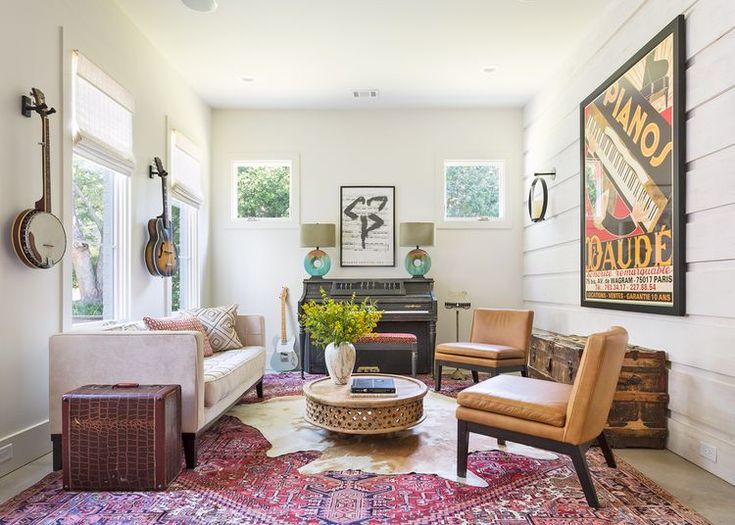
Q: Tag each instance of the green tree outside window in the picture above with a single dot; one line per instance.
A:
(263, 191)
(176, 277)
(472, 190)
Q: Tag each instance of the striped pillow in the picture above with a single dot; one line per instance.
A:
(180, 324)
(219, 323)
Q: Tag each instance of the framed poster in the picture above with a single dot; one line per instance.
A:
(632, 183)
(367, 225)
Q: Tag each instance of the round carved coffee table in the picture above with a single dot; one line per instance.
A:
(332, 407)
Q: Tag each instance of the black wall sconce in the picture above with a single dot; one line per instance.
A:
(538, 195)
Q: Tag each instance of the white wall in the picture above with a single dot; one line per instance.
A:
(401, 148)
(37, 36)
(701, 346)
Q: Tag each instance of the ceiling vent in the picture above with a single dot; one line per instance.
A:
(365, 93)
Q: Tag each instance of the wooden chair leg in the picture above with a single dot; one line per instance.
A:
(259, 389)
(606, 450)
(437, 378)
(475, 376)
(463, 445)
(583, 473)
(190, 449)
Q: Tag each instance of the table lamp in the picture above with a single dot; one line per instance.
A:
(317, 263)
(417, 262)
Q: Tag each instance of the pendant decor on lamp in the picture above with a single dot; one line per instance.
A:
(317, 263)
(538, 196)
(418, 262)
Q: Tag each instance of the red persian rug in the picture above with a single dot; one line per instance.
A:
(237, 483)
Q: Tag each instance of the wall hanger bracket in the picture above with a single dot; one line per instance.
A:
(26, 106)
(551, 174)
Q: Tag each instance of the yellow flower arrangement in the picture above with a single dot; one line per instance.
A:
(339, 321)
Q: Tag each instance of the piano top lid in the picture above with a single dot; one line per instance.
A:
(387, 288)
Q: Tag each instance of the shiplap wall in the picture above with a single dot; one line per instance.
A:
(700, 346)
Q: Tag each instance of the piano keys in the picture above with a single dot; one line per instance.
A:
(630, 178)
(409, 306)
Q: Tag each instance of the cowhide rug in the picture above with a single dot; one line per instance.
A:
(429, 448)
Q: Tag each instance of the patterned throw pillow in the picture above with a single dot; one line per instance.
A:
(219, 322)
(179, 324)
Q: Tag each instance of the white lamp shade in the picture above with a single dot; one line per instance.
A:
(321, 235)
(417, 234)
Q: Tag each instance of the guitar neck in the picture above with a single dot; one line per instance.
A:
(45, 203)
(164, 193)
(283, 320)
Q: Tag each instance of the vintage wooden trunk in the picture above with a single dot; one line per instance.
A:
(121, 437)
(638, 417)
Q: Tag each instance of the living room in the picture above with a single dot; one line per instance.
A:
(425, 155)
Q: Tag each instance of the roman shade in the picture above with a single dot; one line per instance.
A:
(102, 116)
(185, 169)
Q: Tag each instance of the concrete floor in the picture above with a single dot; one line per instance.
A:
(707, 494)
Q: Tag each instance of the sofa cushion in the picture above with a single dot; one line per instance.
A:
(226, 371)
(219, 322)
(179, 324)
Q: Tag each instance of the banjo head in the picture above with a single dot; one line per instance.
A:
(42, 239)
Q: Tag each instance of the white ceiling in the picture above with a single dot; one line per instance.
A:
(314, 53)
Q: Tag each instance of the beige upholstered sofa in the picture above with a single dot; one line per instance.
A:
(209, 386)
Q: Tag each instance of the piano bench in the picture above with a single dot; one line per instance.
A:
(391, 342)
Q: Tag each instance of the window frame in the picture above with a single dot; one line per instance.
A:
(444, 222)
(122, 214)
(293, 220)
(191, 218)
(121, 241)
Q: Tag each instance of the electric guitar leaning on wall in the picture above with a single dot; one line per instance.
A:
(39, 238)
(284, 357)
(161, 255)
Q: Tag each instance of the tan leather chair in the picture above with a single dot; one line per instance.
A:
(562, 418)
(499, 341)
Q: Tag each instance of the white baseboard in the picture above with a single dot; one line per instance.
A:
(28, 444)
(684, 440)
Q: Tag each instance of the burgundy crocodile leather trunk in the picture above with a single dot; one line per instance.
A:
(121, 437)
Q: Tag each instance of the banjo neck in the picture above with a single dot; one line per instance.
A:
(44, 204)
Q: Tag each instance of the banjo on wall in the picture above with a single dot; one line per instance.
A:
(38, 235)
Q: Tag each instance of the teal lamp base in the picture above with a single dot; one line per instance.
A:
(418, 262)
(317, 263)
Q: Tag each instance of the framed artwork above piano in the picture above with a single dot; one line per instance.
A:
(409, 306)
(632, 185)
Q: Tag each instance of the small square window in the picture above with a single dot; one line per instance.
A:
(473, 191)
(263, 191)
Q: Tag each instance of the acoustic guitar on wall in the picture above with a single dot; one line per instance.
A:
(161, 255)
(284, 357)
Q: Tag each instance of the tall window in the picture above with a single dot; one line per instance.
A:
(184, 283)
(474, 191)
(101, 164)
(185, 169)
(264, 191)
(93, 240)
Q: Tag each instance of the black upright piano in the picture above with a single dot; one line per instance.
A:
(408, 305)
